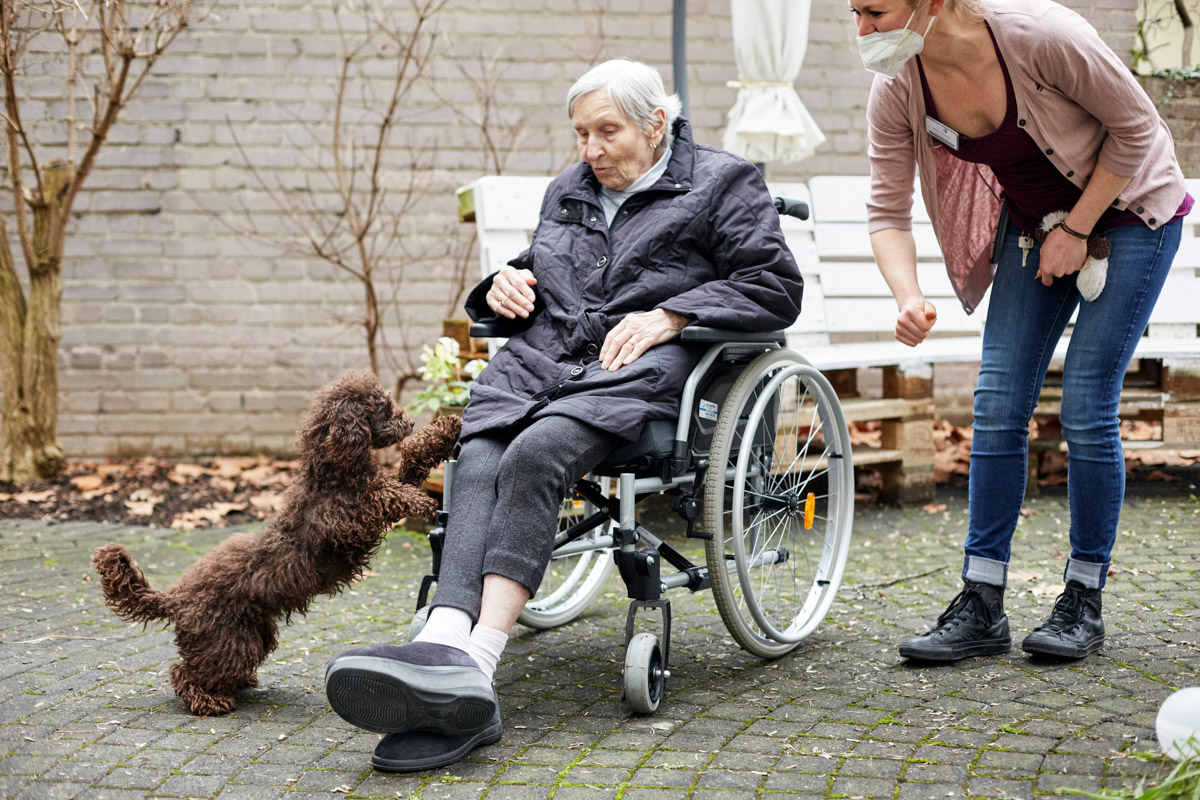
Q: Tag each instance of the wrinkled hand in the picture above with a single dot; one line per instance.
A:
(511, 295)
(915, 321)
(636, 334)
(1061, 254)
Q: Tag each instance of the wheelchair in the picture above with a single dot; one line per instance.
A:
(759, 466)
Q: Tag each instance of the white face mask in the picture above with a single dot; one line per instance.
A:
(885, 52)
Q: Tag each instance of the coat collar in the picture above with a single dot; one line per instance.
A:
(677, 178)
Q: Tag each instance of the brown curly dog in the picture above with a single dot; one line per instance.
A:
(226, 606)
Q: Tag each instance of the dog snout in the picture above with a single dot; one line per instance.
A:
(403, 424)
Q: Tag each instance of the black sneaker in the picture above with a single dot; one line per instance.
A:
(974, 624)
(1074, 628)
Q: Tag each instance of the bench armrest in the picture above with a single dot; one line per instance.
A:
(699, 333)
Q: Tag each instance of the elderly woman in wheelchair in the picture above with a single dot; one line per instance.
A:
(641, 251)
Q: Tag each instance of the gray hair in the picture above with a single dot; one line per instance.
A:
(634, 88)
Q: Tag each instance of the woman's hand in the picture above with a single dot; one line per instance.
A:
(511, 295)
(915, 321)
(1061, 254)
(636, 334)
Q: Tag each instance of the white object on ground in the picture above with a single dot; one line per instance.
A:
(1178, 724)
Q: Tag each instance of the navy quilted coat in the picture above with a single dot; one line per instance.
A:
(703, 242)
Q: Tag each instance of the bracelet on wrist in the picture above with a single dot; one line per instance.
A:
(1083, 237)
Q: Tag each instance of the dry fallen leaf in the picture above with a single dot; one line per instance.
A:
(266, 501)
(31, 497)
(142, 502)
(230, 467)
(1017, 575)
(190, 520)
(185, 473)
(933, 508)
(259, 476)
(224, 484)
(1046, 589)
(87, 483)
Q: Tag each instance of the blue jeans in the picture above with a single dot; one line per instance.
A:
(1024, 321)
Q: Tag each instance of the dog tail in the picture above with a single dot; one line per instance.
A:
(126, 590)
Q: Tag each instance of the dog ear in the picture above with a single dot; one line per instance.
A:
(348, 442)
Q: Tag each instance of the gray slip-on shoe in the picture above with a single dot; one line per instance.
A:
(417, 751)
(418, 686)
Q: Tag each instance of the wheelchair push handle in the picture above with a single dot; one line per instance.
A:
(792, 208)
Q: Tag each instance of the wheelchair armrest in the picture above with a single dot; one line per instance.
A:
(499, 327)
(699, 333)
(485, 330)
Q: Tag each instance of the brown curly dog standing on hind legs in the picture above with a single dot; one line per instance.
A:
(226, 607)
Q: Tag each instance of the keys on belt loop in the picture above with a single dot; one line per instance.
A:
(1026, 243)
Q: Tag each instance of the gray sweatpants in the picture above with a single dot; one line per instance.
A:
(504, 503)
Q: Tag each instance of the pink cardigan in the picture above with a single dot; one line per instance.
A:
(1078, 102)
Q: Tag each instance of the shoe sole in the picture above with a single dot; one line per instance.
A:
(1062, 650)
(488, 736)
(991, 647)
(388, 696)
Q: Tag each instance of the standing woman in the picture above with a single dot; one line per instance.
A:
(1019, 104)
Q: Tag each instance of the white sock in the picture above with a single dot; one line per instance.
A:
(485, 646)
(448, 626)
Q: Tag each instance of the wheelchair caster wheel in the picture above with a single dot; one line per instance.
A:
(645, 674)
(418, 622)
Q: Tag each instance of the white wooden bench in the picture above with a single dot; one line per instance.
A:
(1163, 386)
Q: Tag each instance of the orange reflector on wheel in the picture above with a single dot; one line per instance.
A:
(810, 507)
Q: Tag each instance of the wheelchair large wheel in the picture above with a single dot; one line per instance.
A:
(779, 501)
(572, 580)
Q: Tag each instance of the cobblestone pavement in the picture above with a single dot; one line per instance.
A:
(86, 711)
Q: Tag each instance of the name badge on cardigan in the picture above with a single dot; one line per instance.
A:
(943, 133)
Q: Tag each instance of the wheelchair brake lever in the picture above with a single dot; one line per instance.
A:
(688, 506)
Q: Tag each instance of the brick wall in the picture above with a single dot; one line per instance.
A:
(183, 335)
(1179, 104)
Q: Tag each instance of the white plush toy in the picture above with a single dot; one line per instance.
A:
(1091, 276)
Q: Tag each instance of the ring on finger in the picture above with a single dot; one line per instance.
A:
(631, 342)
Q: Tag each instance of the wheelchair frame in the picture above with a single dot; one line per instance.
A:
(687, 474)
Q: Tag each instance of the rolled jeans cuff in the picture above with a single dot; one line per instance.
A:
(985, 570)
(1089, 573)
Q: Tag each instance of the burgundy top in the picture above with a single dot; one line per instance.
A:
(1032, 185)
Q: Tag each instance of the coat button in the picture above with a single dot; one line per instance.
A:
(592, 349)
(576, 370)
(593, 219)
(1117, 202)
(1070, 173)
(1021, 122)
(1140, 209)
(603, 260)
(1151, 220)
(562, 211)
(679, 186)
(1049, 151)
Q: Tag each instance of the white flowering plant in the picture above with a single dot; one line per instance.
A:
(447, 379)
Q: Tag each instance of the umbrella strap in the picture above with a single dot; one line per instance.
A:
(741, 84)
